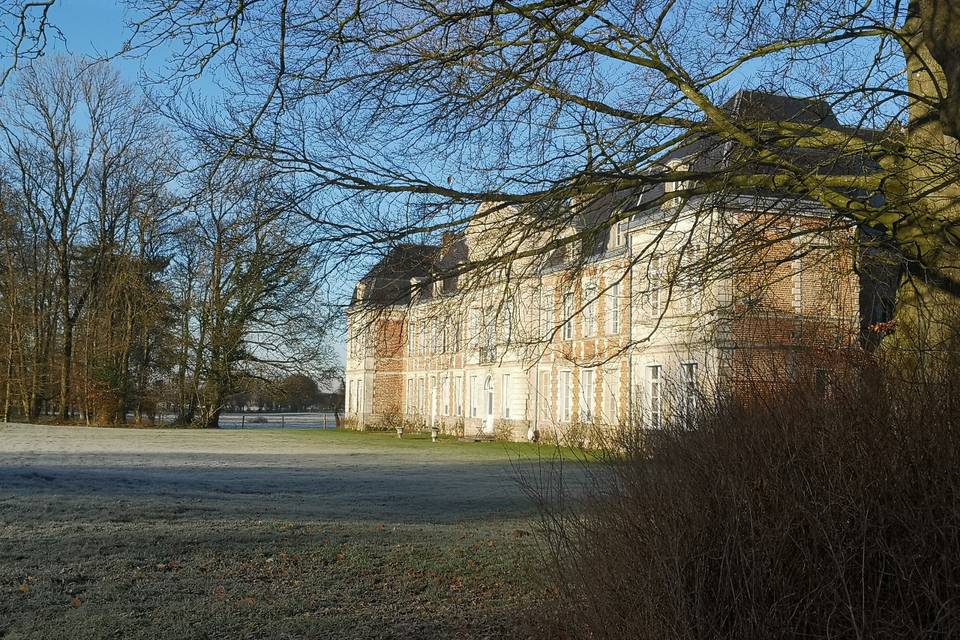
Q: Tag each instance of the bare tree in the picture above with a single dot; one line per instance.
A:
(413, 113)
(25, 29)
(249, 283)
(69, 125)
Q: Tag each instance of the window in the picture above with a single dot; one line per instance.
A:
(546, 314)
(488, 390)
(611, 385)
(435, 334)
(566, 395)
(821, 383)
(411, 339)
(587, 388)
(445, 392)
(474, 396)
(424, 337)
(420, 395)
(543, 394)
(653, 296)
(505, 396)
(590, 311)
(410, 404)
(654, 396)
(620, 234)
(688, 371)
(458, 395)
(507, 322)
(473, 329)
(568, 316)
(613, 309)
(488, 350)
(693, 276)
(676, 185)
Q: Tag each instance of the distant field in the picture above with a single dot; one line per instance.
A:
(117, 533)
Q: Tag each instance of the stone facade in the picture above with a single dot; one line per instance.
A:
(668, 307)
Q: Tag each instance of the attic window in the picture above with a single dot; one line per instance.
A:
(416, 288)
(672, 186)
(620, 233)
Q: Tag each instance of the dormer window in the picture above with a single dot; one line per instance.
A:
(620, 234)
(416, 288)
(671, 186)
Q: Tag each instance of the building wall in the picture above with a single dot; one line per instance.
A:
(702, 305)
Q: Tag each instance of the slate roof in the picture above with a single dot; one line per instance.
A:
(712, 154)
(388, 282)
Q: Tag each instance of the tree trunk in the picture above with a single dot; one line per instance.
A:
(66, 369)
(927, 317)
(211, 419)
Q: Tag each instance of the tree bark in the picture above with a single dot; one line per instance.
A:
(927, 317)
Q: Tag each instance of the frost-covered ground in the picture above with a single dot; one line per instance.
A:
(122, 533)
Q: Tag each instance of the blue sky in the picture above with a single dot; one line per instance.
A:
(98, 28)
(90, 25)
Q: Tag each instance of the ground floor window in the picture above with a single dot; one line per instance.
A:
(474, 396)
(587, 388)
(611, 386)
(690, 389)
(505, 396)
(654, 396)
(543, 395)
(445, 392)
(488, 389)
(458, 395)
(821, 383)
(410, 398)
(566, 395)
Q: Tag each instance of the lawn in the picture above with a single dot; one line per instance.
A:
(121, 533)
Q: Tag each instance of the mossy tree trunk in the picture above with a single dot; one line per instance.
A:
(927, 311)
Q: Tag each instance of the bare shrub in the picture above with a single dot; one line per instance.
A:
(459, 428)
(794, 515)
(503, 430)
